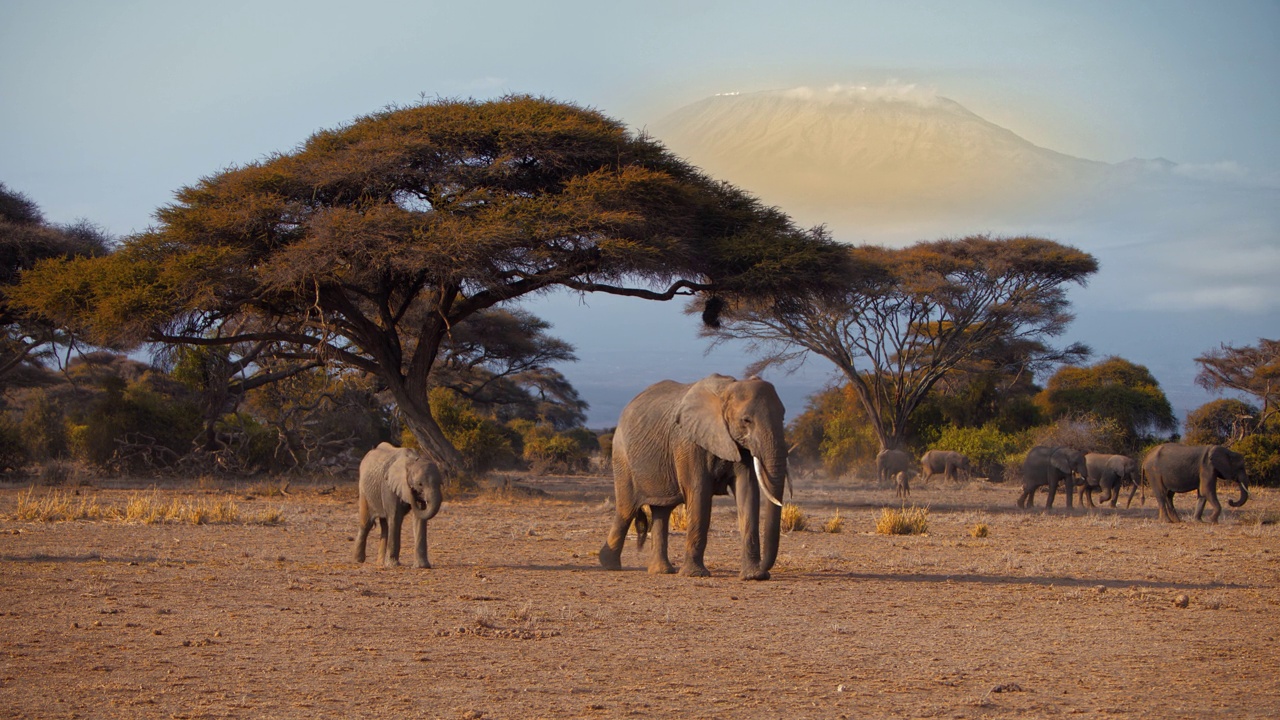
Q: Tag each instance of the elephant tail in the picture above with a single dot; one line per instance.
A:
(642, 528)
(1244, 496)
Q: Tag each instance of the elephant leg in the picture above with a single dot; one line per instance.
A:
(1167, 511)
(382, 541)
(695, 541)
(1071, 490)
(1210, 494)
(1053, 490)
(747, 493)
(611, 553)
(1027, 494)
(420, 543)
(362, 530)
(659, 564)
(393, 538)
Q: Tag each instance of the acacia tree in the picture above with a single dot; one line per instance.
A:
(1113, 389)
(370, 242)
(1252, 370)
(908, 317)
(25, 239)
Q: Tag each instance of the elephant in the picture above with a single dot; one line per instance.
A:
(902, 485)
(947, 463)
(1173, 468)
(891, 462)
(1109, 473)
(394, 482)
(683, 443)
(1049, 466)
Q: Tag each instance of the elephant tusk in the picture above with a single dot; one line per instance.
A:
(760, 479)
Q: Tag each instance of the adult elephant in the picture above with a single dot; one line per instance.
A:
(1173, 468)
(1049, 466)
(1109, 473)
(683, 443)
(947, 463)
(891, 462)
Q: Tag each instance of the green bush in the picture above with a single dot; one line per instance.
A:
(562, 452)
(158, 427)
(1261, 458)
(44, 429)
(483, 442)
(988, 448)
(13, 451)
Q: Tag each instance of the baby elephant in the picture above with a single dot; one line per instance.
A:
(394, 481)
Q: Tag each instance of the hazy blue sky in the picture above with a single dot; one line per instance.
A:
(106, 108)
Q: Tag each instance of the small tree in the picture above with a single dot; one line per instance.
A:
(909, 317)
(1113, 389)
(26, 239)
(1252, 370)
(1220, 422)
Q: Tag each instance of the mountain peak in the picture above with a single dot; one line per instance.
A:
(893, 151)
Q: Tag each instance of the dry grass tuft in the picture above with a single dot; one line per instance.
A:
(834, 524)
(679, 518)
(142, 508)
(58, 506)
(793, 518)
(907, 521)
(980, 530)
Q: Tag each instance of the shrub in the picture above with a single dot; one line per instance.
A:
(980, 530)
(1086, 433)
(834, 524)
(13, 451)
(679, 518)
(793, 518)
(44, 430)
(987, 447)
(907, 521)
(483, 442)
(1261, 457)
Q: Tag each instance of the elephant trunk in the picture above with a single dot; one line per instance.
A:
(431, 503)
(1244, 494)
(773, 482)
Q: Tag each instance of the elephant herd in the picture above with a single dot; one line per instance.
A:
(683, 443)
(1169, 469)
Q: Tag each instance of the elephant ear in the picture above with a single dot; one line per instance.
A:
(398, 476)
(1214, 463)
(700, 418)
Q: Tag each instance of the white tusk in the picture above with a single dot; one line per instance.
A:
(760, 479)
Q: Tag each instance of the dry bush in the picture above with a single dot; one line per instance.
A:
(834, 524)
(907, 521)
(793, 518)
(680, 518)
(143, 508)
(980, 530)
(59, 506)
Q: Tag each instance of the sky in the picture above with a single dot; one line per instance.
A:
(107, 108)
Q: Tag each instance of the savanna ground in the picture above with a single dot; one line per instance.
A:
(1058, 614)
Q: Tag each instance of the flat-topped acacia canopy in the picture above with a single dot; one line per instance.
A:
(365, 245)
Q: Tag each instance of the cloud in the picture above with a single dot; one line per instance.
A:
(891, 90)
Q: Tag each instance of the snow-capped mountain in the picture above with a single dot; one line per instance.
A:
(875, 157)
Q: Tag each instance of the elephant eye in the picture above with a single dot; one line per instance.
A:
(746, 420)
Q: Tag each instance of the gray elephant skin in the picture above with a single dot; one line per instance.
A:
(1109, 473)
(1050, 466)
(683, 443)
(947, 463)
(1173, 468)
(395, 482)
(891, 462)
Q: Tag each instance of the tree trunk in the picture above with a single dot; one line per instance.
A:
(425, 429)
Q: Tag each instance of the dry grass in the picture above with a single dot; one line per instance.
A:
(907, 521)
(980, 530)
(679, 518)
(834, 524)
(142, 508)
(793, 518)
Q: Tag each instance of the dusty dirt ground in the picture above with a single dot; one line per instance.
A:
(1058, 614)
